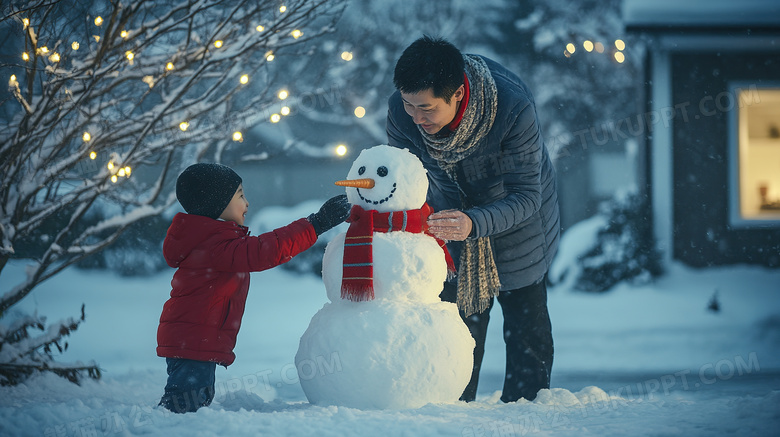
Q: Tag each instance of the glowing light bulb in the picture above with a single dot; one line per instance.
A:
(275, 118)
(282, 9)
(237, 136)
(110, 165)
(129, 55)
(114, 178)
(269, 56)
(75, 45)
(570, 48)
(98, 20)
(86, 136)
(42, 50)
(244, 79)
(341, 150)
(218, 43)
(92, 155)
(25, 22)
(183, 126)
(296, 33)
(283, 94)
(285, 110)
(619, 44)
(128, 170)
(25, 56)
(347, 56)
(360, 112)
(121, 172)
(55, 57)
(169, 66)
(588, 45)
(123, 34)
(12, 79)
(260, 28)
(620, 57)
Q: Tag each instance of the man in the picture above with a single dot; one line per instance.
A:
(473, 125)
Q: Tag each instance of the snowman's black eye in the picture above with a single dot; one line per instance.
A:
(362, 170)
(382, 171)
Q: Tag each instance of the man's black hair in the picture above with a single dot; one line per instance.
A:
(430, 63)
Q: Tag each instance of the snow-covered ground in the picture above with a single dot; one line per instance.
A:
(638, 360)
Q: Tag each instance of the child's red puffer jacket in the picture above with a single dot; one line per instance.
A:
(201, 319)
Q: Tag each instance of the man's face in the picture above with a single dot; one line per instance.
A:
(432, 113)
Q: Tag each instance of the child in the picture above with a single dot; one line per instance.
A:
(213, 254)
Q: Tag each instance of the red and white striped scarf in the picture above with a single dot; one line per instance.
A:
(357, 282)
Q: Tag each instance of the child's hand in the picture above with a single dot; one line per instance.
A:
(334, 211)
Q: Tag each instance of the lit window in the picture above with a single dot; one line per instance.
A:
(755, 149)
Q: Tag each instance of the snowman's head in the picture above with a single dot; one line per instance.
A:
(386, 179)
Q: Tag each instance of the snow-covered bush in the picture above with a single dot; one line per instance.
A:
(137, 253)
(625, 248)
(615, 245)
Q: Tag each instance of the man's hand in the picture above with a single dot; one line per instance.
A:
(450, 225)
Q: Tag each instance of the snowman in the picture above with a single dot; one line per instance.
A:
(385, 340)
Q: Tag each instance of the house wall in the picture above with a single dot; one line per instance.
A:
(702, 235)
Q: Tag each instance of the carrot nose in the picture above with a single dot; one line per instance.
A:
(357, 183)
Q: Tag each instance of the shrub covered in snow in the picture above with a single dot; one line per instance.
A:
(137, 253)
(615, 245)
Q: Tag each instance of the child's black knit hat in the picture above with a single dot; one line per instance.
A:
(206, 188)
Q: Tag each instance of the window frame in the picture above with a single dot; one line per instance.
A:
(736, 219)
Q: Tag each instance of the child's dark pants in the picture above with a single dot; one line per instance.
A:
(190, 385)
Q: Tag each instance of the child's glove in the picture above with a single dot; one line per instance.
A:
(334, 211)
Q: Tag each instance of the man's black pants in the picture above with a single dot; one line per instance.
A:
(528, 339)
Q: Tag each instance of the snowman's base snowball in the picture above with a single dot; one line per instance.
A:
(385, 355)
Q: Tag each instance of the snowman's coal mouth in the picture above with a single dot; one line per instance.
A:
(376, 202)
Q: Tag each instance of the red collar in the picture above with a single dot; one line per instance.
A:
(463, 103)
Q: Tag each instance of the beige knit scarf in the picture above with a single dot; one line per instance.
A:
(478, 279)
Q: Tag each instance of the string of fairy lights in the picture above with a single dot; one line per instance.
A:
(117, 171)
(590, 46)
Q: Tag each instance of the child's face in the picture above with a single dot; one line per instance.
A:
(237, 208)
